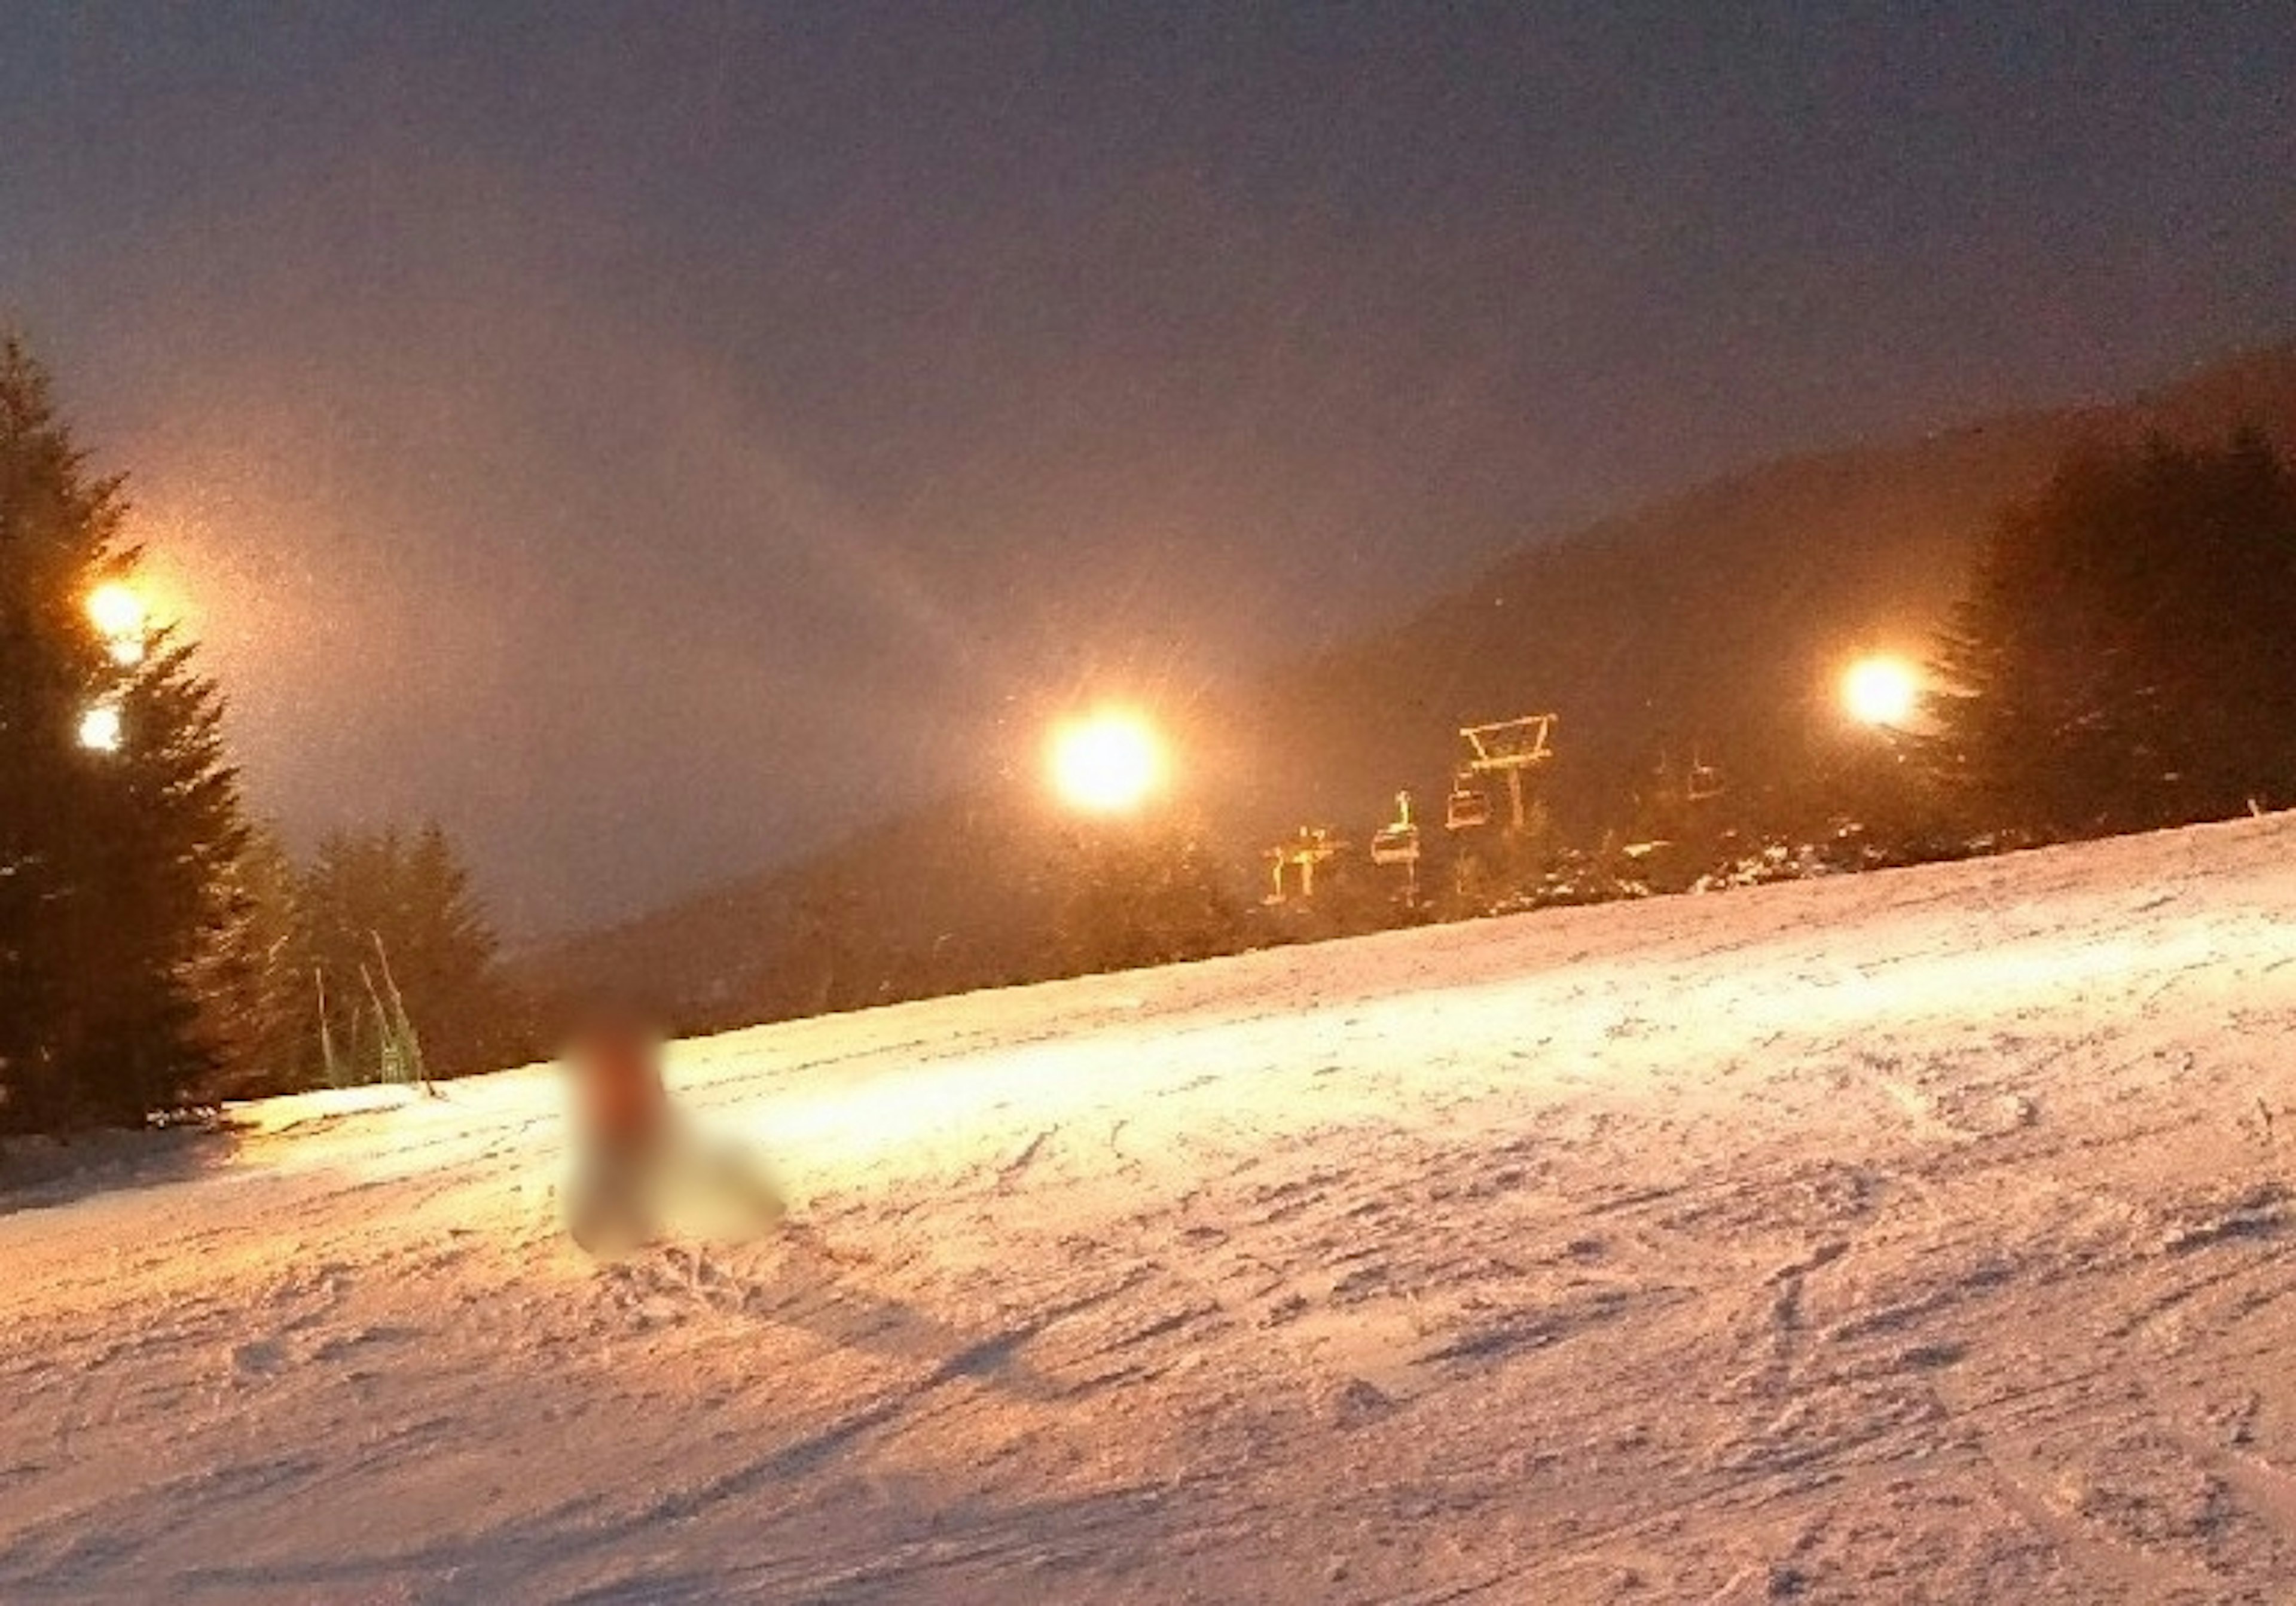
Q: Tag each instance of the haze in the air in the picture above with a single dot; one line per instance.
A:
(650, 439)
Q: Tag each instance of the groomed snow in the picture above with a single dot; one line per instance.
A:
(1923, 1236)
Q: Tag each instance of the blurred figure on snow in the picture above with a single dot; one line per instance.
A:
(639, 1168)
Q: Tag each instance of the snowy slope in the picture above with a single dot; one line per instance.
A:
(1923, 1236)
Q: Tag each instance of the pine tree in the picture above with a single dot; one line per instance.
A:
(119, 816)
(254, 983)
(2123, 659)
(394, 938)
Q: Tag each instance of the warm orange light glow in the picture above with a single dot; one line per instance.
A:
(1108, 763)
(1882, 690)
(118, 612)
(101, 730)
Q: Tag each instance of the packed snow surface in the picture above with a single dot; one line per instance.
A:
(1925, 1236)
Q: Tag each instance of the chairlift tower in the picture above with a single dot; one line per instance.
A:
(1312, 846)
(1509, 748)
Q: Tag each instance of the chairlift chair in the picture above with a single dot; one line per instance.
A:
(1395, 845)
(1396, 842)
(1469, 808)
(1703, 779)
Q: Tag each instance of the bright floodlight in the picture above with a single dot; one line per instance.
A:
(101, 730)
(1106, 764)
(1881, 690)
(117, 611)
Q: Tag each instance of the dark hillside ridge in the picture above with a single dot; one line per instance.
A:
(1714, 620)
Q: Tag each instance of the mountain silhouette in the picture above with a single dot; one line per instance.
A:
(1713, 624)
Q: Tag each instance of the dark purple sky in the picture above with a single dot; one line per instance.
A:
(649, 438)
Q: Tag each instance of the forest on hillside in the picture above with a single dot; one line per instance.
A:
(2102, 650)
(1691, 650)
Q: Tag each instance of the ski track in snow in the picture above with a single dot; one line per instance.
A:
(1925, 1236)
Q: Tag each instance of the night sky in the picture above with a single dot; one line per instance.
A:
(651, 439)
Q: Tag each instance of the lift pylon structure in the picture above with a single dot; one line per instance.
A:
(1509, 748)
(1312, 846)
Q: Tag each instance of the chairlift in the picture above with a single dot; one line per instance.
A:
(1469, 808)
(1397, 841)
(1704, 781)
(1395, 845)
(1508, 746)
(1312, 846)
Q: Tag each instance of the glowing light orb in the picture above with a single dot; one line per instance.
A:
(117, 611)
(1108, 763)
(1882, 690)
(101, 729)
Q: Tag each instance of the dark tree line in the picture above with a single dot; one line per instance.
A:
(2126, 658)
(119, 816)
(371, 961)
(155, 950)
(390, 923)
(1133, 894)
(2123, 659)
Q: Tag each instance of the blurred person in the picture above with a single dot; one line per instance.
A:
(640, 1168)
